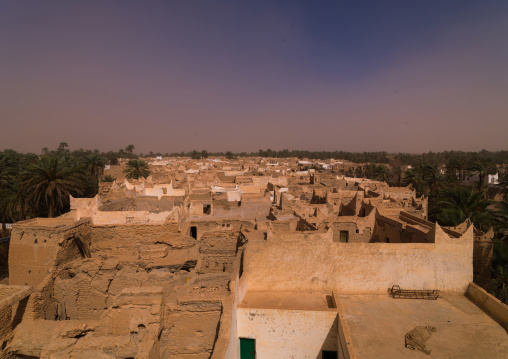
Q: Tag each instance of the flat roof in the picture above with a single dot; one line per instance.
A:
(377, 325)
(57, 222)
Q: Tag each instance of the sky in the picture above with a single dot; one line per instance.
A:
(244, 75)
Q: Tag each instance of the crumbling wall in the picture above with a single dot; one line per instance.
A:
(227, 226)
(191, 328)
(36, 249)
(125, 241)
(129, 329)
(218, 251)
(122, 257)
(13, 300)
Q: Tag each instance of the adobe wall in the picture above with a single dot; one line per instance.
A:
(126, 240)
(89, 208)
(395, 231)
(358, 268)
(355, 234)
(37, 249)
(288, 333)
(360, 229)
(227, 343)
(218, 225)
(190, 328)
(401, 193)
(13, 300)
(493, 306)
(124, 217)
(248, 210)
(218, 250)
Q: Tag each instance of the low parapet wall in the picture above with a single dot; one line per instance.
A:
(497, 309)
(360, 268)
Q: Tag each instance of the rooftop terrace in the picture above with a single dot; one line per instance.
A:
(375, 326)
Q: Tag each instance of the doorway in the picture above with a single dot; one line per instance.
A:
(329, 354)
(247, 348)
(194, 232)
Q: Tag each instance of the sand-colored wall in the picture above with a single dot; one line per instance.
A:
(123, 217)
(36, 250)
(288, 333)
(13, 300)
(323, 265)
(488, 302)
(89, 208)
(227, 345)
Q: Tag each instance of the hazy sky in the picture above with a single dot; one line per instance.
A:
(242, 75)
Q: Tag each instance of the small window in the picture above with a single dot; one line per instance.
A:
(387, 240)
(207, 209)
(357, 230)
(344, 236)
(194, 232)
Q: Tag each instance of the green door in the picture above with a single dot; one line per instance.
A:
(247, 348)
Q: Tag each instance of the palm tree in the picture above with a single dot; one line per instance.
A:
(433, 178)
(359, 172)
(136, 169)
(94, 164)
(108, 178)
(30, 158)
(8, 169)
(130, 149)
(7, 166)
(482, 169)
(381, 173)
(415, 177)
(13, 200)
(51, 181)
(62, 147)
(499, 211)
(395, 176)
(458, 203)
(370, 171)
(456, 167)
(195, 155)
(503, 184)
(499, 283)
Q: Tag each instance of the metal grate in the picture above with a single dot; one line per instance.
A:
(396, 292)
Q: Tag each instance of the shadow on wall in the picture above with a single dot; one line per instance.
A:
(4, 260)
(329, 349)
